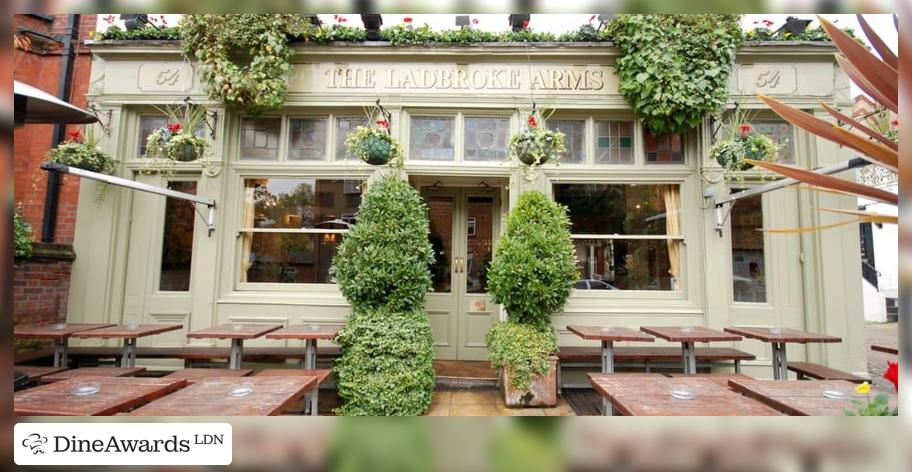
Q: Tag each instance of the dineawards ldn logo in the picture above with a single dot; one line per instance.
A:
(122, 444)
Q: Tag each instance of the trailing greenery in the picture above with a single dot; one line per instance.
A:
(336, 32)
(23, 239)
(386, 367)
(731, 153)
(259, 85)
(535, 265)
(83, 154)
(374, 145)
(535, 145)
(178, 141)
(147, 32)
(382, 268)
(521, 348)
(674, 69)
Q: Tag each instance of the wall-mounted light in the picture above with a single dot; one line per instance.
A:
(132, 22)
(462, 21)
(794, 25)
(372, 23)
(519, 22)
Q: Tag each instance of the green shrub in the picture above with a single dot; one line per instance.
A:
(22, 238)
(384, 259)
(535, 266)
(386, 367)
(521, 348)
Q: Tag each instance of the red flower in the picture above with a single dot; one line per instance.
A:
(75, 135)
(895, 123)
(163, 20)
(339, 19)
(768, 23)
(525, 24)
(892, 374)
(474, 21)
(109, 19)
(383, 124)
(745, 128)
(407, 19)
(592, 18)
(174, 127)
(532, 121)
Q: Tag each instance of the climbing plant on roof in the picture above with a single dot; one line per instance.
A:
(674, 69)
(256, 84)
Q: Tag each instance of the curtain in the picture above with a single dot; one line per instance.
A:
(247, 222)
(672, 196)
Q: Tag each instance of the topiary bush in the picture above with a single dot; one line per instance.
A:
(386, 367)
(384, 259)
(522, 348)
(535, 265)
(382, 268)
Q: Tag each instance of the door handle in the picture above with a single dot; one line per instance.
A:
(458, 265)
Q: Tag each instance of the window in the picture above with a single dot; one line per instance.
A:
(147, 125)
(748, 267)
(486, 139)
(431, 138)
(627, 237)
(614, 142)
(177, 240)
(343, 127)
(574, 132)
(260, 138)
(307, 139)
(780, 132)
(291, 227)
(664, 149)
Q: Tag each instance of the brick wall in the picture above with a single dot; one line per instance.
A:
(41, 284)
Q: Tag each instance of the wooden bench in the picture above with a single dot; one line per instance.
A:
(647, 357)
(807, 370)
(91, 355)
(320, 374)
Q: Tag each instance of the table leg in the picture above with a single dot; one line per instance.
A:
(690, 358)
(310, 362)
(60, 353)
(234, 356)
(607, 368)
(128, 356)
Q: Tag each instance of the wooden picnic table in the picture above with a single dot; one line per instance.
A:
(608, 335)
(800, 398)
(116, 394)
(58, 332)
(193, 375)
(237, 333)
(310, 333)
(687, 336)
(719, 378)
(35, 372)
(885, 348)
(648, 396)
(92, 372)
(209, 397)
(129, 333)
(779, 337)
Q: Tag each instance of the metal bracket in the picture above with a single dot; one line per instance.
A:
(211, 122)
(105, 126)
(722, 214)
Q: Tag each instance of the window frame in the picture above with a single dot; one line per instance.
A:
(459, 130)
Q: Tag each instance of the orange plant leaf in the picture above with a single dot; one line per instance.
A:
(862, 82)
(826, 181)
(879, 45)
(857, 125)
(878, 73)
(808, 229)
(866, 216)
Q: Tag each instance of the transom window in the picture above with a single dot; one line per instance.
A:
(291, 227)
(663, 149)
(574, 139)
(298, 139)
(627, 236)
(431, 138)
(486, 138)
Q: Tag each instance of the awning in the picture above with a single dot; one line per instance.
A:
(35, 106)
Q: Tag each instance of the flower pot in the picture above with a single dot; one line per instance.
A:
(724, 158)
(378, 150)
(186, 152)
(542, 391)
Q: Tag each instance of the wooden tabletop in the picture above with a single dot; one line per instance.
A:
(209, 397)
(647, 396)
(93, 372)
(884, 348)
(36, 372)
(699, 334)
(193, 375)
(55, 331)
(787, 335)
(125, 332)
(609, 333)
(799, 397)
(307, 331)
(320, 374)
(116, 394)
(228, 331)
(719, 378)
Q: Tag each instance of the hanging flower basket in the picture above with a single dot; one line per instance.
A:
(82, 154)
(534, 145)
(373, 144)
(175, 143)
(732, 152)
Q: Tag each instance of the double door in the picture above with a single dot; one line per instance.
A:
(464, 225)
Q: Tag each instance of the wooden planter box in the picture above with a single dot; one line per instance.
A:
(542, 392)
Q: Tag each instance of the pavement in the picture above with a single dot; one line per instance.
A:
(884, 333)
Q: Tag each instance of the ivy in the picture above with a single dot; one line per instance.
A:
(674, 69)
(523, 349)
(259, 85)
(23, 239)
